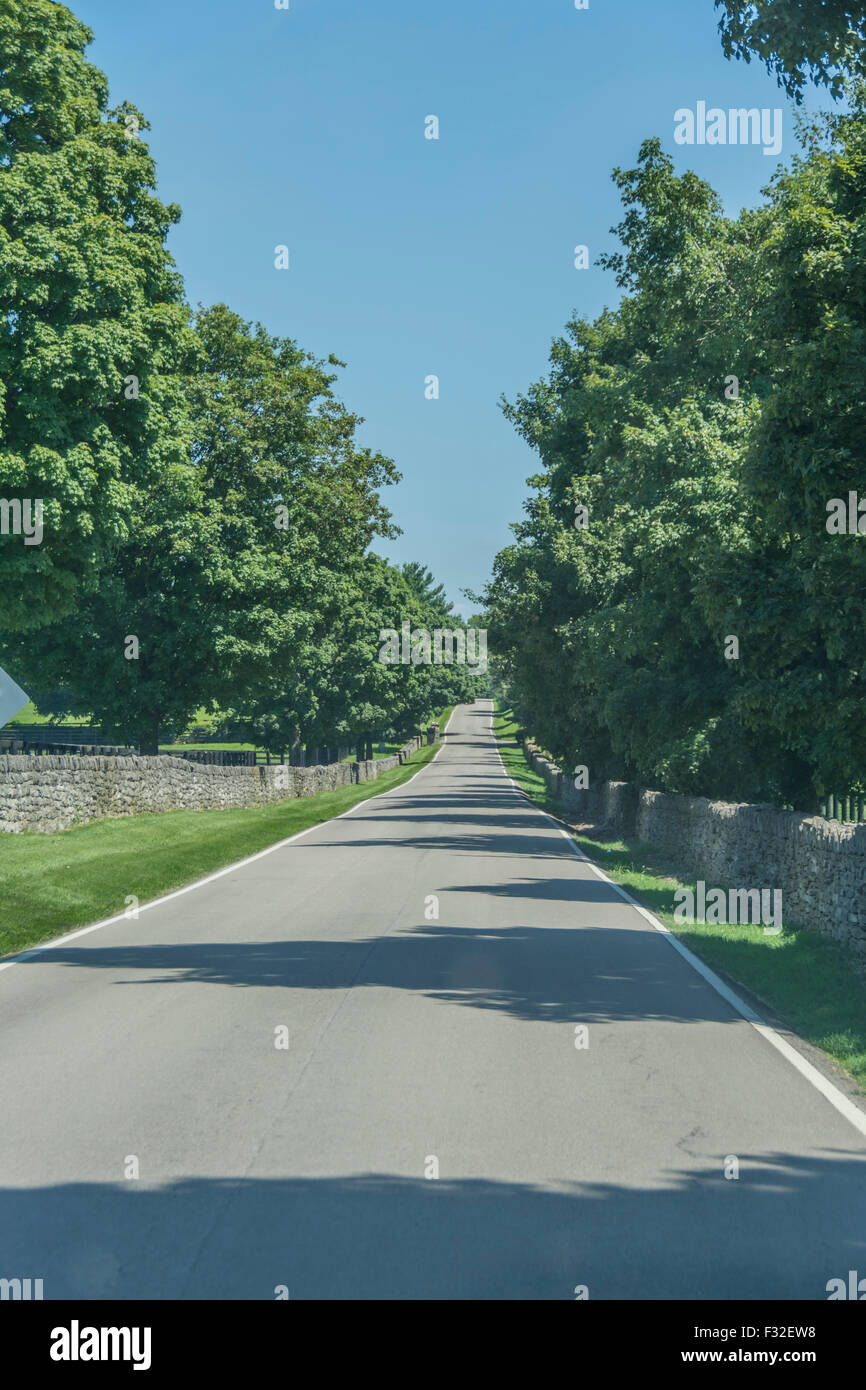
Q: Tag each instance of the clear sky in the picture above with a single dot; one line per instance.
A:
(409, 256)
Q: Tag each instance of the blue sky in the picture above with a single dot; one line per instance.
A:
(410, 256)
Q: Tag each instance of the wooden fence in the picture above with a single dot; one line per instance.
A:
(46, 740)
(221, 757)
(850, 808)
(63, 748)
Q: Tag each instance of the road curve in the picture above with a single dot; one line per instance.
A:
(416, 1043)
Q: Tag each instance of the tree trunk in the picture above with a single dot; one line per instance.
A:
(149, 742)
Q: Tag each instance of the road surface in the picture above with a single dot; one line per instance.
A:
(416, 1044)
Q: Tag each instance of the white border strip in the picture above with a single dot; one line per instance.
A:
(821, 1083)
(52, 945)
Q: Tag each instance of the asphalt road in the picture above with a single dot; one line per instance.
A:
(410, 1039)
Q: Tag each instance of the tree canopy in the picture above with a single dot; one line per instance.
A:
(798, 40)
(207, 508)
(705, 425)
(94, 331)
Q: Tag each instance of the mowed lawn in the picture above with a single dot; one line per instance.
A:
(52, 883)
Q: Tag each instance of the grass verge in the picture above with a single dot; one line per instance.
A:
(50, 884)
(808, 981)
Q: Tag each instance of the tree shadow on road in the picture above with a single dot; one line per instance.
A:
(546, 974)
(781, 1230)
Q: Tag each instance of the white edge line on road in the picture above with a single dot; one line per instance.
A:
(840, 1102)
(368, 799)
(210, 878)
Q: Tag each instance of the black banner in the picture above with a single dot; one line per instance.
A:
(84, 1339)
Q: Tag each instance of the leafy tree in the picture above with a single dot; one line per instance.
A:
(89, 300)
(423, 584)
(824, 40)
(611, 659)
(207, 508)
(707, 508)
(797, 588)
(236, 565)
(341, 691)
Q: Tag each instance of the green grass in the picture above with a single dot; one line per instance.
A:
(50, 884)
(514, 758)
(30, 715)
(807, 980)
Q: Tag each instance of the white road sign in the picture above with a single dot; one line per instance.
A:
(12, 698)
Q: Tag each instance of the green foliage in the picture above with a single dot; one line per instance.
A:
(207, 510)
(798, 39)
(341, 690)
(88, 299)
(244, 577)
(424, 586)
(707, 510)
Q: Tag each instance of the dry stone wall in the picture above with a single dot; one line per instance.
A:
(53, 793)
(819, 865)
